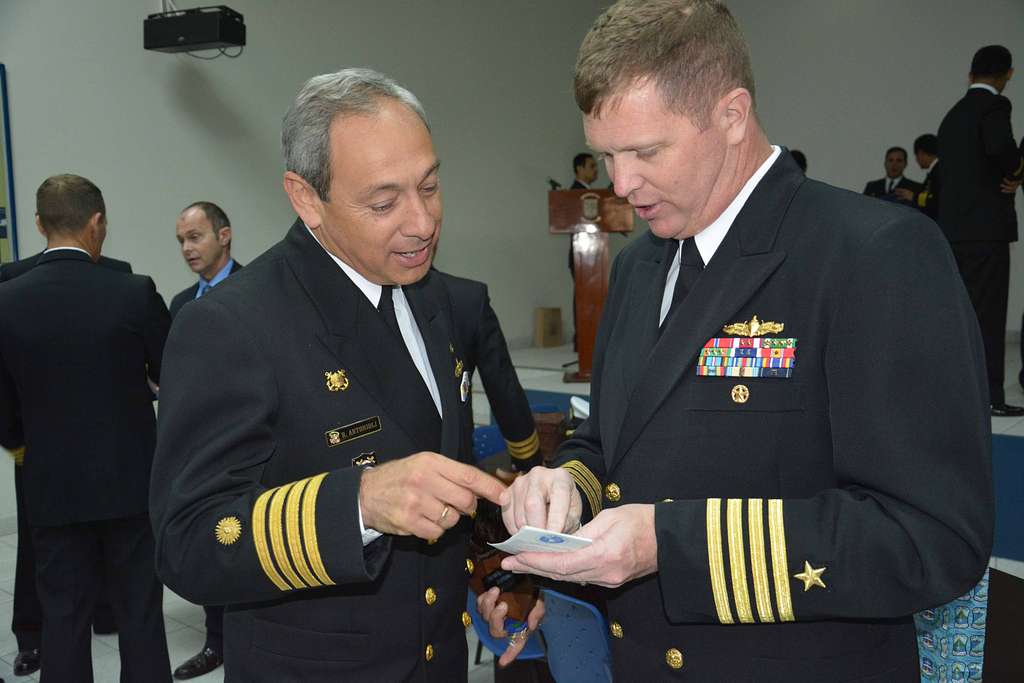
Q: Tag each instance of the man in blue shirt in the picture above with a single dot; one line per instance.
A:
(204, 233)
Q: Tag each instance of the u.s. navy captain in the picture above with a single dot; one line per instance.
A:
(788, 448)
(308, 468)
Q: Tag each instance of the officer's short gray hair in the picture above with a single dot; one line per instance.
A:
(305, 131)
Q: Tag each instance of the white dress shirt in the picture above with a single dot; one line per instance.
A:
(410, 335)
(709, 239)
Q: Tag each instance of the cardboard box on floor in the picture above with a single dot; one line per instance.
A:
(547, 327)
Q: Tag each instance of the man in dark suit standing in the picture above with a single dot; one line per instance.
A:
(787, 453)
(204, 235)
(926, 153)
(27, 621)
(76, 339)
(981, 169)
(482, 346)
(319, 484)
(886, 188)
(584, 169)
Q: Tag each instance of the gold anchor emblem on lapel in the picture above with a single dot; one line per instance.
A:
(336, 381)
(754, 328)
(458, 368)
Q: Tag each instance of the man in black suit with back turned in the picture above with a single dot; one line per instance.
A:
(204, 235)
(27, 621)
(76, 341)
(787, 453)
(982, 168)
(886, 188)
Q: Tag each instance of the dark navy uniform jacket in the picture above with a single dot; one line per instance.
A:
(483, 348)
(278, 385)
(801, 518)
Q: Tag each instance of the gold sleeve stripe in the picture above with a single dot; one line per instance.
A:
(587, 482)
(521, 450)
(922, 198)
(758, 566)
(259, 536)
(309, 529)
(590, 489)
(738, 561)
(780, 567)
(277, 535)
(715, 562)
(19, 455)
(291, 516)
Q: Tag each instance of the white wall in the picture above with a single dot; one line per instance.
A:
(157, 131)
(840, 80)
(843, 81)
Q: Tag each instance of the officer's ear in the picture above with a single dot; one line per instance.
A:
(224, 236)
(304, 199)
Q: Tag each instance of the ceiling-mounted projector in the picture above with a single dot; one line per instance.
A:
(202, 28)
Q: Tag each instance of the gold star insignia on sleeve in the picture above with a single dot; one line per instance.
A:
(228, 530)
(810, 576)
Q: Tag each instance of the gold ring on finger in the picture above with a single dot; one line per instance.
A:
(444, 513)
(518, 636)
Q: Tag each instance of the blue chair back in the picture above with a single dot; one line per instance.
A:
(577, 638)
(487, 441)
(951, 637)
(533, 650)
(543, 408)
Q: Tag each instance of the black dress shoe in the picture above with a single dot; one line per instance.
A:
(1006, 410)
(26, 662)
(203, 663)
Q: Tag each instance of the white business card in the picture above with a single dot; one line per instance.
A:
(533, 540)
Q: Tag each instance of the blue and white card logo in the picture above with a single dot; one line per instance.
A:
(551, 539)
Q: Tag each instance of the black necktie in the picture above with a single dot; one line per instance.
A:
(690, 267)
(386, 306)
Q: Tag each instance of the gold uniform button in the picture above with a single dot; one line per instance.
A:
(740, 393)
(431, 541)
(616, 629)
(467, 620)
(674, 658)
(429, 653)
(430, 596)
(612, 492)
(469, 566)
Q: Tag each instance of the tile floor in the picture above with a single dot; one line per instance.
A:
(539, 369)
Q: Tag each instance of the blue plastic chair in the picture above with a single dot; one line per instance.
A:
(487, 441)
(576, 634)
(533, 649)
(543, 408)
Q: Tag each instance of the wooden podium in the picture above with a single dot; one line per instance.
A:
(588, 215)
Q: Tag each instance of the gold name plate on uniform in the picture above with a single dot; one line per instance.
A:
(351, 432)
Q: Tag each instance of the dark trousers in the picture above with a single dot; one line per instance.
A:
(215, 628)
(27, 623)
(72, 563)
(985, 269)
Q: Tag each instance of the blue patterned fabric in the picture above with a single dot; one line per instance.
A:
(951, 638)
